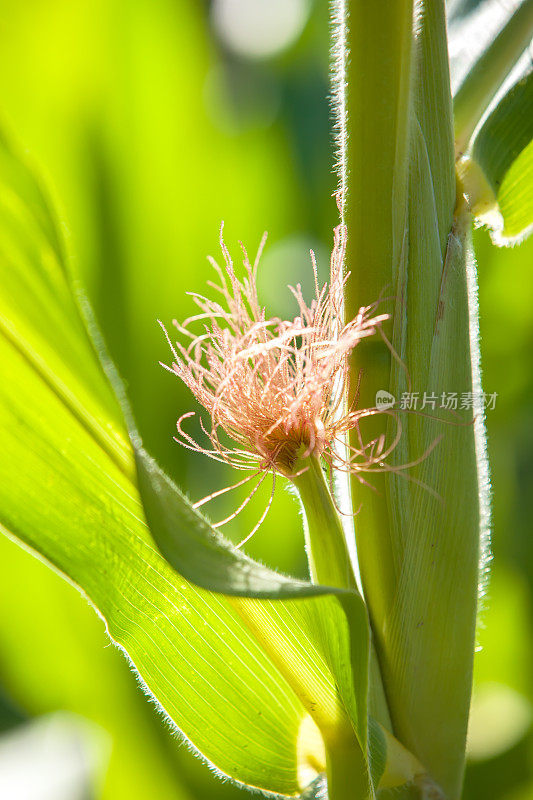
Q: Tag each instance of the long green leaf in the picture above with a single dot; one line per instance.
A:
(67, 491)
(192, 651)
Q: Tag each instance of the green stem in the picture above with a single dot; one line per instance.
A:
(486, 77)
(327, 551)
(375, 163)
(330, 565)
(375, 169)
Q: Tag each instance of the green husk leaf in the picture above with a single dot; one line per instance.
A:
(430, 625)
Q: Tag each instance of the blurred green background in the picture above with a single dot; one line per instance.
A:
(151, 121)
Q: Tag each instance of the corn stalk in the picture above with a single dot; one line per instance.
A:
(418, 535)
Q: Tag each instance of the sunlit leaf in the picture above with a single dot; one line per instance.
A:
(68, 492)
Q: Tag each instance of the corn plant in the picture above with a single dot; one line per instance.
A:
(368, 403)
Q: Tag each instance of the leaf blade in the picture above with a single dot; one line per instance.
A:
(194, 654)
(71, 499)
